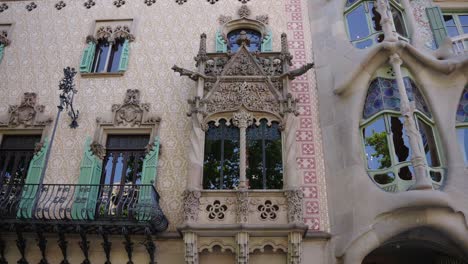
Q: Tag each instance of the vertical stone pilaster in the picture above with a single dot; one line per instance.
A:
(294, 248)
(242, 119)
(242, 240)
(191, 248)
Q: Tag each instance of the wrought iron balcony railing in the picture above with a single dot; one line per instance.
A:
(92, 205)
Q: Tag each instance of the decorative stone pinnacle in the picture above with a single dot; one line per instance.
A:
(242, 119)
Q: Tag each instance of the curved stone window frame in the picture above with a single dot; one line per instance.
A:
(373, 35)
(462, 125)
(399, 184)
(244, 23)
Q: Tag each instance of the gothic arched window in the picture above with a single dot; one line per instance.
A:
(363, 22)
(255, 39)
(462, 124)
(386, 145)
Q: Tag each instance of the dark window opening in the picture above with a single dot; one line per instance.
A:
(221, 162)
(107, 55)
(264, 159)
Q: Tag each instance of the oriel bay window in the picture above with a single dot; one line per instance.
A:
(387, 149)
(363, 22)
(264, 166)
(462, 125)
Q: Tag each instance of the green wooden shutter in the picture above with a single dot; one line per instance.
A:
(123, 64)
(221, 45)
(146, 197)
(84, 204)
(88, 57)
(2, 48)
(436, 20)
(32, 181)
(267, 43)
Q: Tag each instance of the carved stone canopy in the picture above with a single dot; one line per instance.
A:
(28, 113)
(110, 34)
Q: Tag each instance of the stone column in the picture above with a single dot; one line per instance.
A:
(191, 248)
(386, 21)
(294, 248)
(242, 240)
(242, 120)
(407, 111)
(291, 121)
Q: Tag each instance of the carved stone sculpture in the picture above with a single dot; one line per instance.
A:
(98, 150)
(131, 111)
(25, 113)
(104, 33)
(294, 248)
(191, 248)
(242, 206)
(298, 72)
(295, 203)
(244, 11)
(242, 240)
(191, 205)
(123, 32)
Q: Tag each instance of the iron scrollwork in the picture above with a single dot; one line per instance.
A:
(67, 87)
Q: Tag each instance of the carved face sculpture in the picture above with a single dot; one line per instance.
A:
(25, 113)
(29, 99)
(132, 97)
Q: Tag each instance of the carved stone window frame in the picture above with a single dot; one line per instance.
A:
(112, 123)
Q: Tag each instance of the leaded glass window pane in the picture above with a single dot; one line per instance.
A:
(254, 36)
(462, 134)
(383, 94)
(376, 145)
(221, 162)
(462, 111)
(264, 159)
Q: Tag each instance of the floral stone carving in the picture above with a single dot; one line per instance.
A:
(268, 210)
(191, 205)
(253, 96)
(216, 211)
(131, 111)
(26, 113)
(242, 206)
(295, 203)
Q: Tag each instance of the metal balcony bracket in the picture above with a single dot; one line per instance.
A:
(128, 245)
(42, 244)
(106, 244)
(150, 246)
(21, 245)
(2, 252)
(84, 245)
(62, 243)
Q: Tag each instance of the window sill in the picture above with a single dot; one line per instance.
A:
(102, 74)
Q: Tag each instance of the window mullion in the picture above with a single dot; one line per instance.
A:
(221, 170)
(109, 51)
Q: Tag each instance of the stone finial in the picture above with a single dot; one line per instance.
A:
(244, 12)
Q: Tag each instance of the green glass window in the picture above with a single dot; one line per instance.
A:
(363, 22)
(386, 144)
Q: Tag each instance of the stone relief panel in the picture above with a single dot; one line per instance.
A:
(27, 114)
(217, 209)
(63, 34)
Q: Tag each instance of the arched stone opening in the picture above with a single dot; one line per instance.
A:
(420, 245)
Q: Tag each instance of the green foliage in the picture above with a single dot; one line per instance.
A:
(378, 141)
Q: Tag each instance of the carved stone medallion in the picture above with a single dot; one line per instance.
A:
(130, 113)
(25, 113)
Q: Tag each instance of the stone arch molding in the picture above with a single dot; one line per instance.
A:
(228, 24)
(444, 220)
(223, 245)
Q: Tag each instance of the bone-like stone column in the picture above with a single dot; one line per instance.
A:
(386, 21)
(242, 120)
(407, 111)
